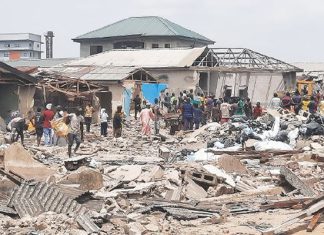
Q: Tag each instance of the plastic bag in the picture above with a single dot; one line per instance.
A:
(271, 145)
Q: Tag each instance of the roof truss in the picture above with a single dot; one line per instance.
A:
(242, 58)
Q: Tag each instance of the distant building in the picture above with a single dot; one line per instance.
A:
(139, 33)
(16, 46)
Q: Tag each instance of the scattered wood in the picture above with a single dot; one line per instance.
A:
(313, 222)
(289, 203)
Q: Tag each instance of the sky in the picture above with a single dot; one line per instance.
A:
(290, 30)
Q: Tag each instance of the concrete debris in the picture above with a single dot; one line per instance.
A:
(193, 190)
(21, 163)
(128, 172)
(247, 176)
(85, 178)
(231, 164)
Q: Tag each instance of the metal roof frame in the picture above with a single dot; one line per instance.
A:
(242, 58)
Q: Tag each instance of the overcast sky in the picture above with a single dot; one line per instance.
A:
(291, 30)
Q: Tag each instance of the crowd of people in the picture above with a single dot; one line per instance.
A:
(198, 109)
(62, 128)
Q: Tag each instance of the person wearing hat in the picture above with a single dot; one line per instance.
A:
(48, 117)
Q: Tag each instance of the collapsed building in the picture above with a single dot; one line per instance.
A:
(214, 71)
(16, 90)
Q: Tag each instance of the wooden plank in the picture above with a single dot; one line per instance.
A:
(313, 222)
(294, 181)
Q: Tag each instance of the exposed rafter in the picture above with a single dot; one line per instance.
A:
(242, 58)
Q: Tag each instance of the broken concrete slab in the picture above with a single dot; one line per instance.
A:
(231, 164)
(20, 162)
(294, 181)
(220, 174)
(193, 190)
(86, 178)
(152, 174)
(128, 172)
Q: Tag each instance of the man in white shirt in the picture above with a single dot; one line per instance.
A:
(275, 102)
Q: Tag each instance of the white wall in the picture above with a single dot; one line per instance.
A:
(261, 86)
(108, 45)
(177, 80)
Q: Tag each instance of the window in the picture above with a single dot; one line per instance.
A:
(95, 50)
(30, 54)
(167, 45)
(128, 44)
(7, 45)
(6, 54)
(17, 45)
(25, 54)
(155, 45)
(30, 44)
(37, 45)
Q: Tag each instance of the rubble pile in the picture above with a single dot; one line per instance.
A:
(260, 177)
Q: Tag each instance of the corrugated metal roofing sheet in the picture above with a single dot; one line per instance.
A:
(34, 198)
(94, 73)
(153, 58)
(143, 26)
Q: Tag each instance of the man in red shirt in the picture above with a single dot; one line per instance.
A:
(257, 111)
(48, 116)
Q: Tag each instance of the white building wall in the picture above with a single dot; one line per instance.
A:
(261, 86)
(109, 45)
(177, 80)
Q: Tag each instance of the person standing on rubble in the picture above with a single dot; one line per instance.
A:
(103, 122)
(157, 114)
(297, 102)
(240, 107)
(248, 108)
(312, 105)
(146, 116)
(174, 102)
(82, 121)
(74, 133)
(225, 109)
(180, 100)
(17, 125)
(137, 105)
(118, 122)
(216, 112)
(286, 101)
(167, 102)
(275, 102)
(161, 99)
(48, 117)
(197, 115)
(209, 106)
(257, 111)
(191, 94)
(187, 113)
(88, 112)
(38, 121)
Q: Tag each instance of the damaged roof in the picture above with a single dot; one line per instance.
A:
(143, 26)
(96, 73)
(10, 74)
(145, 58)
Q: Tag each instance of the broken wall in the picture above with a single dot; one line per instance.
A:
(177, 80)
(8, 99)
(260, 86)
(26, 98)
